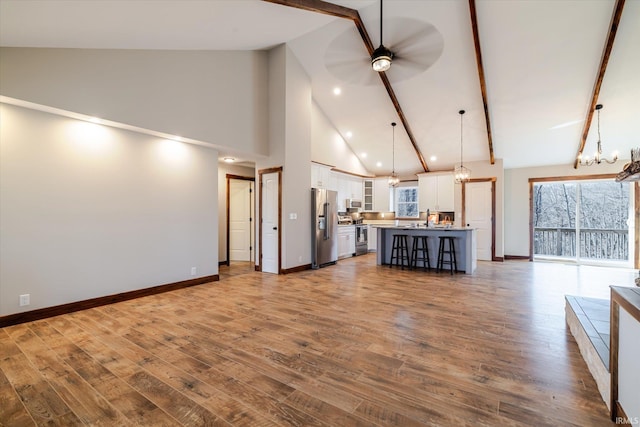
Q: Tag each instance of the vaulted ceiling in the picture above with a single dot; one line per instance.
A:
(541, 63)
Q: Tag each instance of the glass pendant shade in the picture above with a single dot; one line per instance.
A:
(394, 180)
(381, 59)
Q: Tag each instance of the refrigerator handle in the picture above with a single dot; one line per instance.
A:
(328, 220)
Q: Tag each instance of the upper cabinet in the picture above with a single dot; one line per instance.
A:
(436, 192)
(321, 176)
(367, 195)
(381, 195)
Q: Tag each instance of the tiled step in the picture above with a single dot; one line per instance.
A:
(588, 320)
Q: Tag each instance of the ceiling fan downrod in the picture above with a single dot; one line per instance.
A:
(381, 57)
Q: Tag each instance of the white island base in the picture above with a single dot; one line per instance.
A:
(465, 242)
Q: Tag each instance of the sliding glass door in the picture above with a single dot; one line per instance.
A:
(583, 221)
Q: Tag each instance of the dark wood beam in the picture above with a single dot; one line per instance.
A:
(606, 53)
(327, 8)
(483, 83)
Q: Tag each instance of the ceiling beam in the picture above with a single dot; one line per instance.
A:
(327, 8)
(606, 53)
(483, 83)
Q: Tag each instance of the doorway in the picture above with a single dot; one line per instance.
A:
(240, 214)
(479, 211)
(583, 221)
(270, 217)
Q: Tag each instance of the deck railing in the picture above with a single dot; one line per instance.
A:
(595, 243)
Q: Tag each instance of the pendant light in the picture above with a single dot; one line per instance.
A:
(597, 157)
(381, 57)
(461, 173)
(393, 178)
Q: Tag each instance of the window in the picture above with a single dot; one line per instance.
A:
(584, 221)
(406, 202)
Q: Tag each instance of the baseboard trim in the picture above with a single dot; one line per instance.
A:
(221, 263)
(512, 257)
(296, 269)
(257, 267)
(43, 313)
(498, 259)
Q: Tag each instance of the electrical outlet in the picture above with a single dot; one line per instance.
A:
(25, 300)
(193, 271)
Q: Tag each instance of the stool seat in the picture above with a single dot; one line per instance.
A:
(400, 251)
(447, 248)
(420, 252)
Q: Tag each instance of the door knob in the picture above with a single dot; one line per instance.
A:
(275, 228)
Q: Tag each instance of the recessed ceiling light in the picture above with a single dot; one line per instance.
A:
(433, 158)
(363, 155)
(337, 91)
(378, 164)
(349, 134)
(229, 159)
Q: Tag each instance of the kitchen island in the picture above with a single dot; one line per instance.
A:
(465, 241)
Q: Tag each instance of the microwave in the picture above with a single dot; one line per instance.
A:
(354, 204)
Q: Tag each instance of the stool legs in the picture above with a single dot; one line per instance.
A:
(420, 252)
(400, 251)
(447, 247)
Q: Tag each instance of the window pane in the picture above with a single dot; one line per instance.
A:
(604, 215)
(554, 219)
(406, 202)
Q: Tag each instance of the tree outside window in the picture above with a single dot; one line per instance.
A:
(407, 202)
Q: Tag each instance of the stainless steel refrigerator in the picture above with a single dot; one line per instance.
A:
(324, 228)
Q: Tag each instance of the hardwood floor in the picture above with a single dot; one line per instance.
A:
(351, 344)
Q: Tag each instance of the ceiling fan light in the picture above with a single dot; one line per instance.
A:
(381, 59)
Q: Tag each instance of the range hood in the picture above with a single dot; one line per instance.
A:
(631, 171)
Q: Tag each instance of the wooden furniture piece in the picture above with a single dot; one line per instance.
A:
(420, 252)
(400, 251)
(447, 249)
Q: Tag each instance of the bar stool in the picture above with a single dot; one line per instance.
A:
(400, 251)
(420, 252)
(447, 247)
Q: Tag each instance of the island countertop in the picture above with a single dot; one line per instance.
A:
(465, 243)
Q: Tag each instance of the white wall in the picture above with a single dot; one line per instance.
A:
(328, 146)
(485, 169)
(516, 201)
(211, 96)
(223, 170)
(290, 148)
(88, 210)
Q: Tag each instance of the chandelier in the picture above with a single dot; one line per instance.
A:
(393, 178)
(461, 173)
(597, 157)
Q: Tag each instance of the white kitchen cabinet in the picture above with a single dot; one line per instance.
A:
(367, 195)
(348, 187)
(436, 192)
(320, 176)
(381, 195)
(346, 241)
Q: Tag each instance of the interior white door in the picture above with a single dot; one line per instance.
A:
(240, 214)
(478, 213)
(270, 248)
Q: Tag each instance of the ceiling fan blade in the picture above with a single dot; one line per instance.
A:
(407, 32)
(353, 71)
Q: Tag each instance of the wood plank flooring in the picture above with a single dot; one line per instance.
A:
(348, 345)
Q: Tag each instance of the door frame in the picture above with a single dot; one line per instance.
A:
(636, 197)
(493, 211)
(243, 178)
(261, 172)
